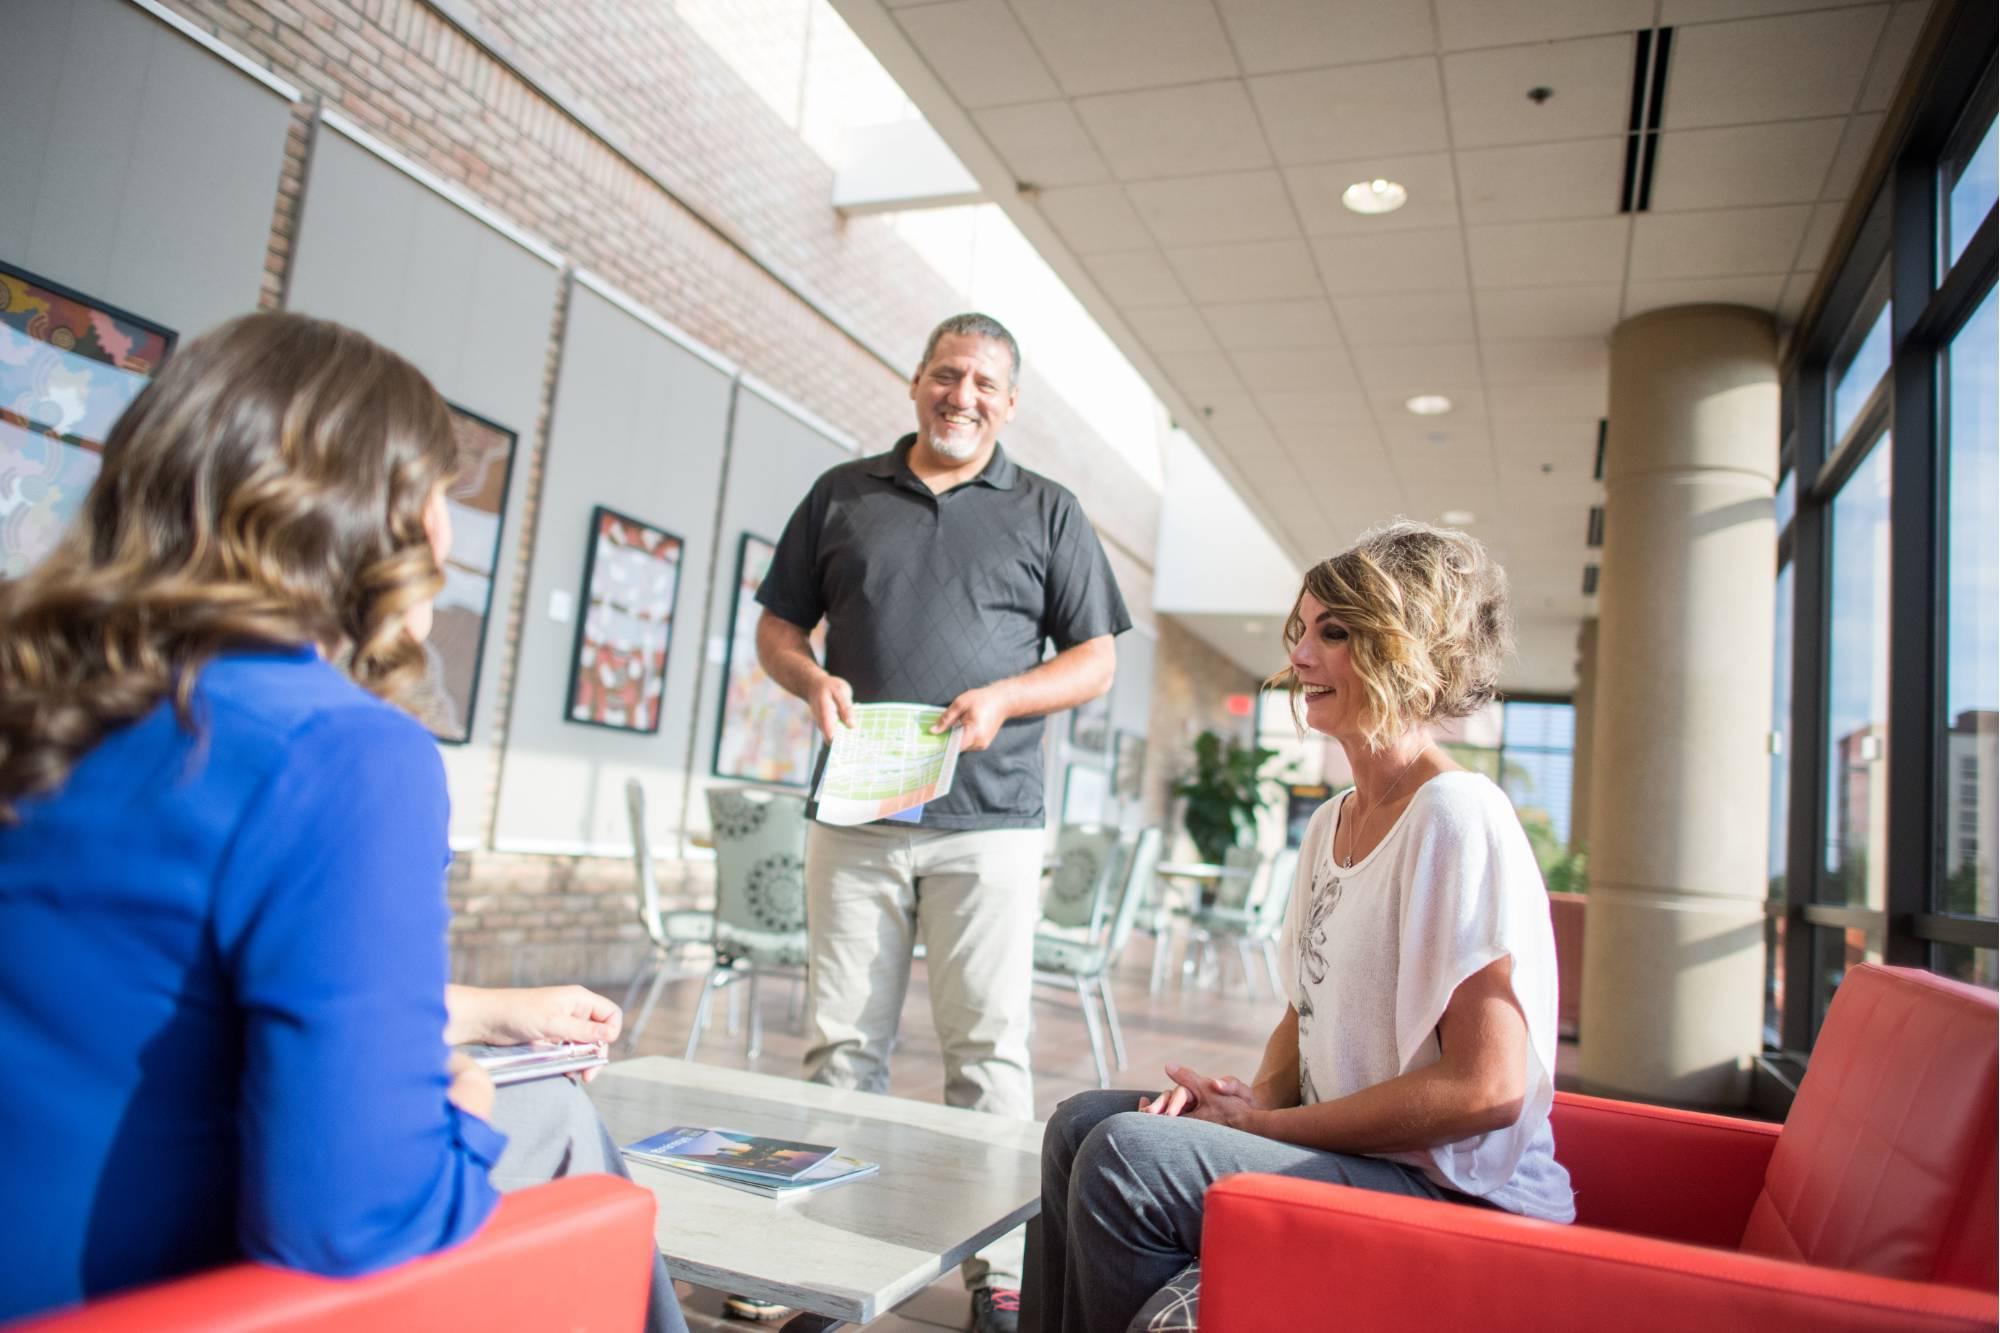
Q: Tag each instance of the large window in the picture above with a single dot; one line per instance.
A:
(1885, 823)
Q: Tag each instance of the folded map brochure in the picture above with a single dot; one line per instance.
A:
(536, 1059)
(889, 761)
(775, 1168)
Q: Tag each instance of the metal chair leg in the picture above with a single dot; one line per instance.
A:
(1162, 941)
(708, 989)
(755, 1045)
(1111, 1021)
(639, 978)
(1096, 1036)
(660, 980)
(1271, 966)
(1249, 974)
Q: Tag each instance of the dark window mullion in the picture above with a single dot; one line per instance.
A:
(1805, 849)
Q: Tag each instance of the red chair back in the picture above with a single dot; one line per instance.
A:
(1886, 1163)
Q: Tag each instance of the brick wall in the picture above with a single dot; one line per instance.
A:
(610, 129)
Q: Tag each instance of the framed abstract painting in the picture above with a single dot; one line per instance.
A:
(764, 734)
(618, 671)
(1085, 790)
(1090, 725)
(69, 366)
(457, 641)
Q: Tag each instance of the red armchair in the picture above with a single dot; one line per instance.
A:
(574, 1255)
(1872, 1209)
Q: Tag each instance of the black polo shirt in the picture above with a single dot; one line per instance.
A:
(926, 596)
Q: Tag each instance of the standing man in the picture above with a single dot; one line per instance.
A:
(941, 567)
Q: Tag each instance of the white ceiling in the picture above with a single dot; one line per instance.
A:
(1180, 163)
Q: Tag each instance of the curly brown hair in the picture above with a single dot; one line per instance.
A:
(1425, 609)
(267, 488)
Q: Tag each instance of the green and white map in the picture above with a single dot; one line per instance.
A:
(887, 762)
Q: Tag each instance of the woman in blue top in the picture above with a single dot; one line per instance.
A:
(222, 910)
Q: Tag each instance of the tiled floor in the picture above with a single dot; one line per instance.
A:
(1218, 1031)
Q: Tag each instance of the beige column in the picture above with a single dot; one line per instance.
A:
(1673, 957)
(1585, 703)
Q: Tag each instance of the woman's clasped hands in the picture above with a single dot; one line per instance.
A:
(1220, 1101)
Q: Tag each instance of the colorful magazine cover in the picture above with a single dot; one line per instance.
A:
(749, 1156)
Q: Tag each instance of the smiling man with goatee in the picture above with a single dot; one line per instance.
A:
(941, 568)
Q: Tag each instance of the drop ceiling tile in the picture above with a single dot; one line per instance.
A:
(1202, 375)
(1758, 291)
(1247, 271)
(1397, 261)
(1567, 444)
(1117, 45)
(1723, 73)
(1676, 13)
(1548, 312)
(1578, 178)
(1205, 210)
(1350, 111)
(1533, 254)
(1303, 408)
(1433, 201)
(1136, 278)
(980, 52)
(1725, 243)
(1402, 372)
(1892, 54)
(1792, 300)
(1043, 144)
(1820, 231)
(1544, 360)
(1245, 326)
(1171, 329)
(1470, 23)
(1855, 145)
(1176, 131)
(1303, 438)
(1297, 369)
(1271, 36)
(1741, 166)
(1406, 317)
(1488, 92)
(1540, 401)
(1093, 219)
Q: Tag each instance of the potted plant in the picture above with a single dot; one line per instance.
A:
(1223, 793)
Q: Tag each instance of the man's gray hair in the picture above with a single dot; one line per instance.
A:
(975, 325)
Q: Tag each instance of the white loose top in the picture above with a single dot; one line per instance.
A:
(1375, 951)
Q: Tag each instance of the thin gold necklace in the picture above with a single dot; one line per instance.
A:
(1361, 822)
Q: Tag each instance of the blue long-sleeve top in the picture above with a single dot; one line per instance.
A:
(222, 973)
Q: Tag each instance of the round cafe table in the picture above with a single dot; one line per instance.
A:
(1201, 877)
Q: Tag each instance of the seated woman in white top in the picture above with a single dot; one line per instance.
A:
(1417, 1053)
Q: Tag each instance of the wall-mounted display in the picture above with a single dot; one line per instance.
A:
(1128, 766)
(69, 366)
(457, 641)
(619, 665)
(1085, 788)
(765, 734)
(1090, 724)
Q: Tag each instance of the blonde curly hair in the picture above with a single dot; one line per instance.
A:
(1428, 625)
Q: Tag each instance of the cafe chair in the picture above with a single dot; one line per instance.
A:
(574, 1254)
(1080, 957)
(760, 898)
(1254, 928)
(1871, 1208)
(670, 932)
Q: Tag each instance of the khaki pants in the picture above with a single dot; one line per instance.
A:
(973, 898)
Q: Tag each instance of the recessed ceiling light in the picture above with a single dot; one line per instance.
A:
(1457, 518)
(1375, 196)
(1429, 404)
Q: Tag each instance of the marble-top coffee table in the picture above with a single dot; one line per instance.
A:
(951, 1181)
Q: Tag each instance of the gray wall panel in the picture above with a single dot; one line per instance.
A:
(774, 457)
(380, 251)
(639, 426)
(138, 167)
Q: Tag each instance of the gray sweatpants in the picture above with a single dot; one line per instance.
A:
(1121, 1203)
(553, 1131)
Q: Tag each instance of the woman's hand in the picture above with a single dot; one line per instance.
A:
(471, 1089)
(516, 1015)
(1220, 1101)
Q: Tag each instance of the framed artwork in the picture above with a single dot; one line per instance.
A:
(1128, 766)
(1085, 788)
(631, 574)
(1090, 725)
(69, 367)
(763, 734)
(457, 642)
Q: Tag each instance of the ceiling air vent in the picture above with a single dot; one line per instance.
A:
(1596, 535)
(1649, 99)
(1590, 580)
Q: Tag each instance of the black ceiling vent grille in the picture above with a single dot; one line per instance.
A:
(1649, 100)
(1590, 580)
(1596, 535)
(1603, 428)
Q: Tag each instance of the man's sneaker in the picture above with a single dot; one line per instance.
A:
(749, 1307)
(996, 1310)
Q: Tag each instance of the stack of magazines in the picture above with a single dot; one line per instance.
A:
(774, 1168)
